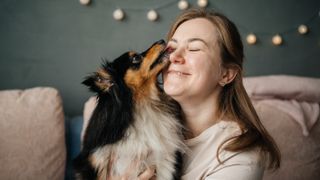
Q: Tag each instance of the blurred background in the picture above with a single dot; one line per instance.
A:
(58, 42)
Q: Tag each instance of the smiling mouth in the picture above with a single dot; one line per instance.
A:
(179, 73)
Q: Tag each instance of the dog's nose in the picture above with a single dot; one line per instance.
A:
(160, 42)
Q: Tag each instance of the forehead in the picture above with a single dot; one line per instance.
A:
(196, 28)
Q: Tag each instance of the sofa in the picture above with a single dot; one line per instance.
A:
(37, 140)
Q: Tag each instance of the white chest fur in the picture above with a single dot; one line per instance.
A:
(152, 140)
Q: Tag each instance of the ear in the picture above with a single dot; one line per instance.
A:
(228, 75)
(100, 81)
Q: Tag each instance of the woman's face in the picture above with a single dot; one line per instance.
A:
(195, 68)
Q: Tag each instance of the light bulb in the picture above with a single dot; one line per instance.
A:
(84, 2)
(303, 29)
(183, 4)
(277, 40)
(118, 14)
(152, 15)
(202, 3)
(251, 39)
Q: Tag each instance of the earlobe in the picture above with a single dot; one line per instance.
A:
(228, 75)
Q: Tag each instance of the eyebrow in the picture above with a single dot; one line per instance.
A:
(192, 40)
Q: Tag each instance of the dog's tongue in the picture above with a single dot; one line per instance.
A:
(168, 50)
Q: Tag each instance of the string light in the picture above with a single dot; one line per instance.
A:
(202, 3)
(118, 14)
(183, 5)
(303, 29)
(277, 40)
(84, 2)
(252, 38)
(152, 15)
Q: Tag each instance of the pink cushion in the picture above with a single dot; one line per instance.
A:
(300, 154)
(32, 134)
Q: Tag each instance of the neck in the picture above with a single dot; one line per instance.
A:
(200, 115)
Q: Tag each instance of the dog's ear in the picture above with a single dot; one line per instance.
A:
(101, 81)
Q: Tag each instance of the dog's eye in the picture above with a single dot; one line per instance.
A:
(136, 59)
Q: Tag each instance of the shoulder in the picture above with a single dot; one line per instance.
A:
(239, 165)
(201, 161)
(248, 156)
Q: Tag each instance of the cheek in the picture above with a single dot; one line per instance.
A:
(198, 62)
(206, 67)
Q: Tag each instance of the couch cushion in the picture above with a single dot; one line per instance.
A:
(89, 107)
(300, 154)
(32, 136)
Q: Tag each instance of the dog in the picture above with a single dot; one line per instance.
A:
(135, 125)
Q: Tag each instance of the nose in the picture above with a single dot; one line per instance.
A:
(161, 42)
(176, 57)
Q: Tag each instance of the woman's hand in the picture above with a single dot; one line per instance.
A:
(148, 174)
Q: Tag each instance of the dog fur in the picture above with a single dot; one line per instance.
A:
(134, 125)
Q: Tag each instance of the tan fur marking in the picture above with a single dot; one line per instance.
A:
(106, 82)
(142, 81)
(132, 53)
(99, 162)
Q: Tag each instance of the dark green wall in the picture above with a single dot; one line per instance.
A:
(58, 42)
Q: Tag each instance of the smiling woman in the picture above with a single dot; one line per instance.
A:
(224, 133)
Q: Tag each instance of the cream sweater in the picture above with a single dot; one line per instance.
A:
(200, 161)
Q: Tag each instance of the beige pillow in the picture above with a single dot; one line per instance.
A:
(32, 135)
(89, 106)
(300, 154)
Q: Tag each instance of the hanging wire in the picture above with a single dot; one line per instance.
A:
(244, 28)
(286, 31)
(161, 6)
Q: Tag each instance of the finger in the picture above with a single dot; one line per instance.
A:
(147, 174)
(109, 167)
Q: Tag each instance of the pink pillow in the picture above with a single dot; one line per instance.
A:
(300, 154)
(32, 135)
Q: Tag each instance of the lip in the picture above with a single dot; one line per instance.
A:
(178, 72)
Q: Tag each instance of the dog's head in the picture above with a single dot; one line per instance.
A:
(136, 71)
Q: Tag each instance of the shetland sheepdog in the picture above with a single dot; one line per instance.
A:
(135, 125)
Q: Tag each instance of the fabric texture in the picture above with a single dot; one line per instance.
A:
(283, 87)
(89, 107)
(300, 154)
(32, 134)
(299, 97)
(201, 163)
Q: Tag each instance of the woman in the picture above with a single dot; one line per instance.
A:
(225, 136)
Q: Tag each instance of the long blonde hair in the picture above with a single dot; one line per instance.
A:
(234, 100)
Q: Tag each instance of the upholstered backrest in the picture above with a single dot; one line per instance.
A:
(300, 154)
(32, 135)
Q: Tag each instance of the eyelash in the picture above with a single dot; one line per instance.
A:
(172, 49)
(193, 50)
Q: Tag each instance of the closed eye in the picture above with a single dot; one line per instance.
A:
(194, 50)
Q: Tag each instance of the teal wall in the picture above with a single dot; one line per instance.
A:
(58, 42)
